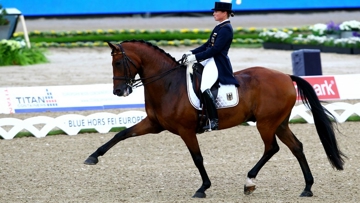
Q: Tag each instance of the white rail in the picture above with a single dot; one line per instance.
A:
(71, 124)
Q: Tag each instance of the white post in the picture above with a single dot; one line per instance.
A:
(22, 19)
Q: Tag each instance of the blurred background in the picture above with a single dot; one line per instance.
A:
(51, 8)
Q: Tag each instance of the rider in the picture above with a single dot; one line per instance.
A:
(213, 56)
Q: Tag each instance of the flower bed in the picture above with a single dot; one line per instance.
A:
(325, 44)
(187, 37)
(321, 37)
(352, 27)
(163, 32)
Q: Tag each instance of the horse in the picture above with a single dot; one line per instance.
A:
(266, 96)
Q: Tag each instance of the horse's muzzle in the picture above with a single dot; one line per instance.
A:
(122, 92)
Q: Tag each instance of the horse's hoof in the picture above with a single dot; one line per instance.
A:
(199, 195)
(249, 189)
(91, 161)
(306, 194)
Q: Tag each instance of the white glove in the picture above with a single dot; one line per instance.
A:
(190, 59)
(188, 53)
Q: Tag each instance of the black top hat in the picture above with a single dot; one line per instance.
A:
(222, 6)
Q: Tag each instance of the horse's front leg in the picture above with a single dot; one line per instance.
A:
(193, 146)
(122, 135)
(144, 127)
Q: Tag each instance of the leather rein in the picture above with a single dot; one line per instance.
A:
(134, 83)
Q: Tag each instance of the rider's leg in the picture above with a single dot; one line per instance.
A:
(210, 74)
(209, 77)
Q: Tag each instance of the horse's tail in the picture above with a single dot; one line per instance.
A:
(323, 123)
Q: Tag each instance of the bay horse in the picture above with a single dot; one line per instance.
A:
(266, 96)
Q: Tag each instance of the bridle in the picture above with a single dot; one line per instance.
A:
(127, 77)
(134, 83)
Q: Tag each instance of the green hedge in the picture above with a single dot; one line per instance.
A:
(130, 36)
(91, 38)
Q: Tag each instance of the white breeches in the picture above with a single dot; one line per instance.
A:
(210, 74)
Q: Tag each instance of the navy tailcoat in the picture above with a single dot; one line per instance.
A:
(218, 46)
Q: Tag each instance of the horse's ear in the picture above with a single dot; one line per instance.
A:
(112, 46)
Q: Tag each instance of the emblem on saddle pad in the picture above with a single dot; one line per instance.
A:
(229, 96)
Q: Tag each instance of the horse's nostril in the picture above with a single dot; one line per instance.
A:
(116, 91)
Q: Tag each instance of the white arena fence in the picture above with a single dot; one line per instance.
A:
(71, 124)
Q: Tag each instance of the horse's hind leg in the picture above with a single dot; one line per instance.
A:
(271, 147)
(288, 138)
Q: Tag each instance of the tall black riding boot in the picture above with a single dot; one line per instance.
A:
(209, 101)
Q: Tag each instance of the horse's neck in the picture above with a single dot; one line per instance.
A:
(163, 78)
(156, 64)
(156, 67)
(163, 71)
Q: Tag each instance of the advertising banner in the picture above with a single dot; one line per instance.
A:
(66, 98)
(338, 87)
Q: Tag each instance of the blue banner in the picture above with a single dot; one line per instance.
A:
(42, 8)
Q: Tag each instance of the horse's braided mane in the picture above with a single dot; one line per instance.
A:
(152, 45)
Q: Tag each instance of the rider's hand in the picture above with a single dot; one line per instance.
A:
(188, 53)
(190, 59)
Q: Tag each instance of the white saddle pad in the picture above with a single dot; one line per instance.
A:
(227, 95)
